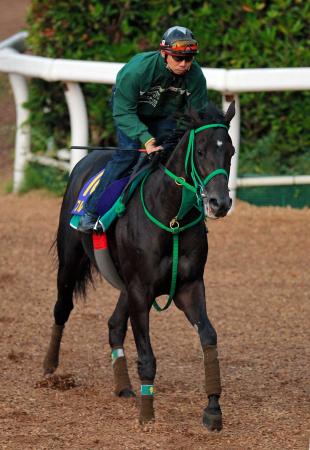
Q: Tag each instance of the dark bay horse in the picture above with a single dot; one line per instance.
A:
(142, 252)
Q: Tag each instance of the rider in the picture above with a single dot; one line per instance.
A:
(149, 89)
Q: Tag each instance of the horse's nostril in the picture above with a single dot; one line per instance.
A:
(214, 203)
(220, 205)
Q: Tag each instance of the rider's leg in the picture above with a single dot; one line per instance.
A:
(123, 160)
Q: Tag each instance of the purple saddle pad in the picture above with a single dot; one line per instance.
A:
(110, 195)
(107, 199)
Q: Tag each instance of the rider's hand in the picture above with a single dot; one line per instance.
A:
(150, 146)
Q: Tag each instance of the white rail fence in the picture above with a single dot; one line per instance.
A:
(230, 83)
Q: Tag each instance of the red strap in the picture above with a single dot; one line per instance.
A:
(100, 241)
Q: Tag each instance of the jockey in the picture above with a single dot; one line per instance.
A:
(149, 90)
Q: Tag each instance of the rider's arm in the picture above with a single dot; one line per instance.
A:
(125, 105)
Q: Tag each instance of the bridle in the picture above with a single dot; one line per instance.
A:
(193, 195)
(199, 185)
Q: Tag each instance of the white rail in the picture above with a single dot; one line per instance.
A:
(229, 82)
(284, 180)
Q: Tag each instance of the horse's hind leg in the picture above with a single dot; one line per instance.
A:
(73, 267)
(117, 333)
(191, 300)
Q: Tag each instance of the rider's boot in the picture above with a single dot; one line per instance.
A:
(87, 222)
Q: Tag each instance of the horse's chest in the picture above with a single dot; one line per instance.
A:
(189, 265)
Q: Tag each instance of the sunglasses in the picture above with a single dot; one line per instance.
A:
(187, 58)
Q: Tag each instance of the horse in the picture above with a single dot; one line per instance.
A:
(143, 252)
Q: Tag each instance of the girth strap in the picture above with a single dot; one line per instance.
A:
(175, 263)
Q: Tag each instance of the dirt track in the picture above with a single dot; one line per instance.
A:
(258, 299)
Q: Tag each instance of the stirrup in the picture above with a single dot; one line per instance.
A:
(98, 227)
(88, 226)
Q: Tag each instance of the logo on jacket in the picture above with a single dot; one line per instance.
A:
(152, 96)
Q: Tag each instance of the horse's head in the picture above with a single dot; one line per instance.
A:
(212, 152)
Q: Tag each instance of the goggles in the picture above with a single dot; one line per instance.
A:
(181, 47)
(179, 58)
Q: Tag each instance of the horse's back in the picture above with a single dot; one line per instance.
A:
(83, 171)
(88, 167)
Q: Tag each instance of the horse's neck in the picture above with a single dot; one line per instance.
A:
(163, 196)
(176, 161)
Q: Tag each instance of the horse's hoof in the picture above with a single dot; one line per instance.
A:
(144, 419)
(49, 370)
(146, 409)
(213, 422)
(49, 366)
(126, 393)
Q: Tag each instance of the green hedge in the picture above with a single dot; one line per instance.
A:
(240, 34)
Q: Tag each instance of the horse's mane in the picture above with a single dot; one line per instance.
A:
(189, 120)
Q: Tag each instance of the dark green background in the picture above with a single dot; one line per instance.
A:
(237, 34)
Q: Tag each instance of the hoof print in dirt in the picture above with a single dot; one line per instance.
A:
(59, 382)
(16, 356)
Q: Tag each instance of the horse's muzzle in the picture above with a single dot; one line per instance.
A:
(216, 206)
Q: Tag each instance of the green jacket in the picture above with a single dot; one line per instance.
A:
(146, 89)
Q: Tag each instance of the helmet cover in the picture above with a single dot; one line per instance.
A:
(179, 41)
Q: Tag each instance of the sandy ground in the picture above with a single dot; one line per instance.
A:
(258, 299)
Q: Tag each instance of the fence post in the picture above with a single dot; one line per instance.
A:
(78, 121)
(22, 139)
(234, 133)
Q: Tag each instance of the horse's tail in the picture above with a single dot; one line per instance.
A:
(83, 276)
(74, 264)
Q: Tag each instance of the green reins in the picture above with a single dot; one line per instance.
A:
(191, 197)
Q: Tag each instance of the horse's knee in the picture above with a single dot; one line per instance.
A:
(117, 331)
(115, 324)
(147, 367)
(207, 335)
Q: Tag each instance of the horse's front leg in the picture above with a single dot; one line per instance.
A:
(139, 310)
(191, 300)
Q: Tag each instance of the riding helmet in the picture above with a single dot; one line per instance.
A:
(179, 41)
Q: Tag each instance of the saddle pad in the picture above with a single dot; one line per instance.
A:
(118, 207)
(107, 199)
(111, 202)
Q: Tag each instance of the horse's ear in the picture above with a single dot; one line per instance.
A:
(230, 112)
(194, 115)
